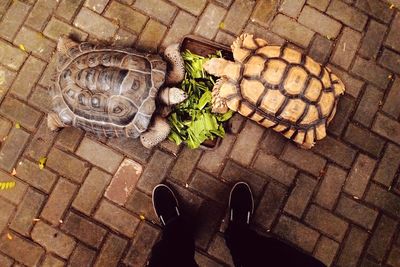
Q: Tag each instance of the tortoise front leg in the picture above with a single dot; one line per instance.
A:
(218, 103)
(156, 133)
(54, 122)
(177, 67)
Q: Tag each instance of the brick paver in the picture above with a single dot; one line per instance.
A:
(326, 250)
(392, 103)
(346, 48)
(27, 212)
(297, 233)
(82, 256)
(352, 247)
(91, 203)
(320, 48)
(111, 251)
(300, 196)
(124, 181)
(53, 239)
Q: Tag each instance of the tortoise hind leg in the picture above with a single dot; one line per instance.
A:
(309, 140)
(156, 133)
(54, 122)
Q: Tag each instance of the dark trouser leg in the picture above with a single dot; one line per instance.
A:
(176, 247)
(248, 249)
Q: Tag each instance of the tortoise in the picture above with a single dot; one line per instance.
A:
(114, 91)
(277, 87)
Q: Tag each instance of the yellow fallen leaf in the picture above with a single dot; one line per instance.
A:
(9, 236)
(42, 161)
(14, 172)
(22, 47)
(17, 125)
(391, 6)
(40, 35)
(2, 77)
(221, 25)
(7, 185)
(142, 217)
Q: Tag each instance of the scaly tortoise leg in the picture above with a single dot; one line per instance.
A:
(244, 45)
(54, 122)
(177, 72)
(218, 103)
(156, 133)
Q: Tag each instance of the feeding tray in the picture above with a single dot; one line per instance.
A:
(204, 47)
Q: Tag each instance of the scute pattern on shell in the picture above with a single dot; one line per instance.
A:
(281, 88)
(106, 90)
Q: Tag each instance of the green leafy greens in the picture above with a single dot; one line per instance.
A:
(192, 121)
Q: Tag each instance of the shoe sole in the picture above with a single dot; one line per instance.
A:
(251, 193)
(152, 199)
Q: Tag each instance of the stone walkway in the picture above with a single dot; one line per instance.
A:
(91, 203)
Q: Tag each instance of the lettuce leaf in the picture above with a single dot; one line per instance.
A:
(192, 121)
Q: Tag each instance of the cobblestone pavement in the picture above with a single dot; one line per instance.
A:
(91, 203)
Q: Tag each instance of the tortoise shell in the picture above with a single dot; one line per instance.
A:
(281, 88)
(106, 90)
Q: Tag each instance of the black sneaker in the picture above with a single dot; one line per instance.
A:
(241, 204)
(165, 203)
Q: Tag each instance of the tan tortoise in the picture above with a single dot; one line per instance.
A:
(277, 87)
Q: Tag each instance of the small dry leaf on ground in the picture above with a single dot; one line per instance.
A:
(7, 185)
(2, 77)
(42, 162)
(22, 47)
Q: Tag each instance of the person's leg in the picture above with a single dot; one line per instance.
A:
(241, 207)
(176, 247)
(251, 249)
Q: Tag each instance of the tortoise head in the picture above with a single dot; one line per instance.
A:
(216, 66)
(172, 96)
